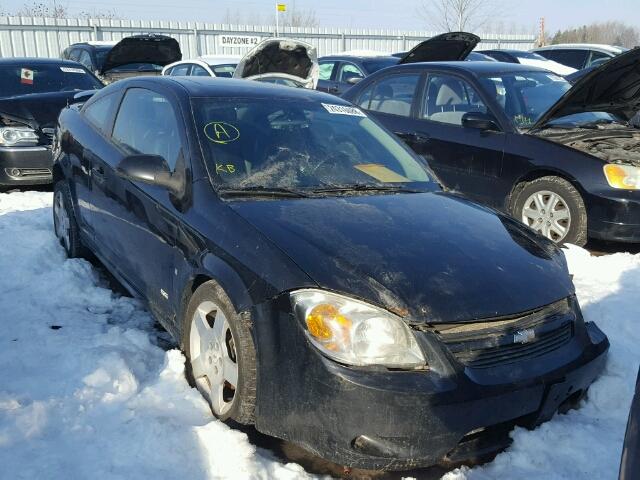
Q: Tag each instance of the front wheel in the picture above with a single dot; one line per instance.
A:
(554, 208)
(221, 356)
(64, 222)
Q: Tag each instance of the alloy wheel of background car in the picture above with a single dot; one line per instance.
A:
(547, 213)
(552, 207)
(64, 222)
(221, 354)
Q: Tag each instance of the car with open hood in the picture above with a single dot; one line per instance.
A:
(32, 93)
(321, 284)
(283, 61)
(562, 159)
(338, 73)
(132, 56)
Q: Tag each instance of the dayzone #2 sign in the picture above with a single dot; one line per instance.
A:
(238, 41)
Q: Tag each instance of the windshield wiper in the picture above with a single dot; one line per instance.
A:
(363, 187)
(261, 191)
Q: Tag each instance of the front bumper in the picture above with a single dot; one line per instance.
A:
(395, 420)
(25, 165)
(614, 216)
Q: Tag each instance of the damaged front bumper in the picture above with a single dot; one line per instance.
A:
(25, 165)
(375, 418)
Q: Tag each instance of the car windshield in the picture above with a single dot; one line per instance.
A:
(223, 70)
(25, 79)
(293, 144)
(525, 96)
(376, 64)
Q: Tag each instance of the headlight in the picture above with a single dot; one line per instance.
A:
(622, 176)
(354, 332)
(11, 136)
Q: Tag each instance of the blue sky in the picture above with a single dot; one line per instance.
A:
(399, 14)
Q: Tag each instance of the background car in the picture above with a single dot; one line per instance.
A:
(32, 93)
(229, 238)
(529, 58)
(562, 160)
(281, 61)
(131, 56)
(479, 57)
(579, 55)
(204, 66)
(339, 73)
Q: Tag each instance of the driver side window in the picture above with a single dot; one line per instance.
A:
(146, 124)
(448, 98)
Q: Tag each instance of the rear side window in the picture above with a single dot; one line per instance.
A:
(99, 112)
(393, 94)
(85, 59)
(571, 58)
(180, 70)
(146, 123)
(326, 69)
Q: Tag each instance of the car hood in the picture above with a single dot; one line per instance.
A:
(281, 58)
(433, 257)
(37, 110)
(613, 87)
(156, 49)
(448, 47)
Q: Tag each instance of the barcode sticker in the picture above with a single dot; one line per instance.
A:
(343, 110)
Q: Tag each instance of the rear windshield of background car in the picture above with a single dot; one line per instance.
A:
(379, 63)
(299, 144)
(27, 79)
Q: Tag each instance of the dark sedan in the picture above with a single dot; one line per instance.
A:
(564, 160)
(339, 73)
(320, 283)
(32, 93)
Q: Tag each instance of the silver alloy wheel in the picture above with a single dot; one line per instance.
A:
(214, 361)
(547, 213)
(62, 224)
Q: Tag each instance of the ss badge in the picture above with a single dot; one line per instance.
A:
(524, 336)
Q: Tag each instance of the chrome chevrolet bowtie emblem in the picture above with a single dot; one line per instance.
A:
(524, 336)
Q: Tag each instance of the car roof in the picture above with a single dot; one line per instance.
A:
(217, 59)
(37, 61)
(478, 68)
(581, 46)
(233, 87)
(362, 58)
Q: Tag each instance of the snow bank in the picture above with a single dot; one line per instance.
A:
(85, 392)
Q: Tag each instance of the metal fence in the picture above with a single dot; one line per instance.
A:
(47, 37)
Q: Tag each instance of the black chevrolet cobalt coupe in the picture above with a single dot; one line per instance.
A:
(320, 283)
(562, 159)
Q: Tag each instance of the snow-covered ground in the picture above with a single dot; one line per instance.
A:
(86, 392)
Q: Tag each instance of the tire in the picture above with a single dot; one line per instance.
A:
(69, 235)
(214, 359)
(531, 205)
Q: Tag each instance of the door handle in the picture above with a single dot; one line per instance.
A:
(98, 171)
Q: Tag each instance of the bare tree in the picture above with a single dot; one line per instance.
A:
(457, 15)
(53, 9)
(295, 17)
(612, 33)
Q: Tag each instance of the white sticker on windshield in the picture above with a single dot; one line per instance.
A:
(72, 70)
(343, 110)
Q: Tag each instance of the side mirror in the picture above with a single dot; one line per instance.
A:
(354, 80)
(151, 169)
(480, 121)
